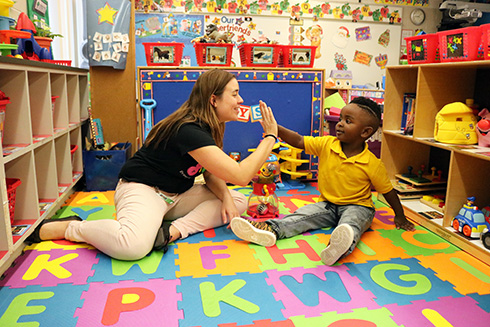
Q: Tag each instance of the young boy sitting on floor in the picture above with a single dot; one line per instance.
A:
(347, 169)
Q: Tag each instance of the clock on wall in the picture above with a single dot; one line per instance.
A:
(417, 16)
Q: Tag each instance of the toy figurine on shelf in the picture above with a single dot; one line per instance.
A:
(263, 201)
(213, 35)
(470, 220)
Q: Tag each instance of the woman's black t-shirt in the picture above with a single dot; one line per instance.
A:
(169, 168)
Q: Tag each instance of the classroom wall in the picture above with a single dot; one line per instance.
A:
(114, 92)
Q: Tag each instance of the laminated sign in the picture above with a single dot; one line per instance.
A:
(108, 32)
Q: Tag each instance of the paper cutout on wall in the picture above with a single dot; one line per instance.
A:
(314, 33)
(341, 38)
(363, 33)
(342, 78)
(384, 38)
(340, 61)
(108, 32)
(362, 58)
(381, 60)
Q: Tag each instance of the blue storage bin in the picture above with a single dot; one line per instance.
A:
(101, 168)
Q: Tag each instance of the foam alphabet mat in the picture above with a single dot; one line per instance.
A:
(394, 278)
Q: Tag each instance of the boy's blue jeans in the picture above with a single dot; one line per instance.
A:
(321, 215)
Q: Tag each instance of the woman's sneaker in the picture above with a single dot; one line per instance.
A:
(253, 231)
(340, 242)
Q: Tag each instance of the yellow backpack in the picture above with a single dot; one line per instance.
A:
(456, 124)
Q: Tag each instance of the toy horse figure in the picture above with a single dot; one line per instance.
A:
(483, 128)
(263, 201)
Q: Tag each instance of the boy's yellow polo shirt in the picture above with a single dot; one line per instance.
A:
(343, 180)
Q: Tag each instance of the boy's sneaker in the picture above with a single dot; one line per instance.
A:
(340, 242)
(253, 231)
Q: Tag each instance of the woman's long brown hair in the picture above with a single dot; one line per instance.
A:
(196, 109)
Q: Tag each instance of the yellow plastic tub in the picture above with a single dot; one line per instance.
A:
(5, 7)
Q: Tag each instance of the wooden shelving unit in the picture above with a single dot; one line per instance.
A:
(436, 85)
(39, 142)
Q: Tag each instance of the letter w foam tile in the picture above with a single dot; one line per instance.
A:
(40, 306)
(317, 290)
(154, 265)
(51, 268)
(400, 281)
(128, 303)
(448, 311)
(211, 258)
(240, 299)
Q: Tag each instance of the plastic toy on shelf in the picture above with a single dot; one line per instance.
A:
(471, 221)
(483, 128)
(28, 47)
(263, 201)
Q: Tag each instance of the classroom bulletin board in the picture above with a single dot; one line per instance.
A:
(359, 38)
(295, 96)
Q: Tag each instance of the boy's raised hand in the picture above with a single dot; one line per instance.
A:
(268, 121)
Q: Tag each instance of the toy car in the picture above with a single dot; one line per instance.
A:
(470, 220)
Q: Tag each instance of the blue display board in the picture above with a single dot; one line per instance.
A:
(295, 96)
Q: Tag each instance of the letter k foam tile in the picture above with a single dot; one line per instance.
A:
(51, 268)
(214, 300)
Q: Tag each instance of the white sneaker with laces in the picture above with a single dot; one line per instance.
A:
(340, 241)
(253, 231)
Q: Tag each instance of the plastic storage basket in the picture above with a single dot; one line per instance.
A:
(163, 54)
(12, 184)
(460, 44)
(297, 56)
(213, 54)
(422, 49)
(485, 40)
(259, 55)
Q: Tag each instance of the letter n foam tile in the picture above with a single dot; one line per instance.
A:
(128, 303)
(52, 268)
(40, 306)
(317, 290)
(214, 300)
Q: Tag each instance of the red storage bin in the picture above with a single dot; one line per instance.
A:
(485, 40)
(213, 54)
(297, 56)
(163, 54)
(422, 49)
(460, 44)
(259, 55)
(12, 184)
(3, 106)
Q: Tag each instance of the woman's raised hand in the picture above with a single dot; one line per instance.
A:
(268, 121)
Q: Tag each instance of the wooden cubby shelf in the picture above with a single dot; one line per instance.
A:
(38, 138)
(465, 170)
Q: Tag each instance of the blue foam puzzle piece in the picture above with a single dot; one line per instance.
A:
(40, 306)
(401, 281)
(483, 300)
(269, 308)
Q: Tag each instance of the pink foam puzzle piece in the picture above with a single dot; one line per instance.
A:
(50, 268)
(128, 303)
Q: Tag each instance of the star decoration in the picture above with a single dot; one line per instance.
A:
(107, 14)
(252, 26)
